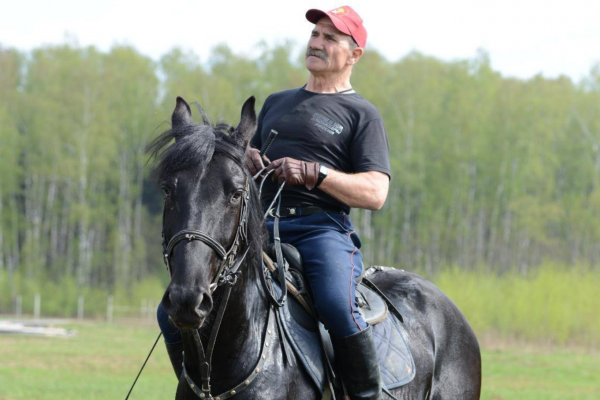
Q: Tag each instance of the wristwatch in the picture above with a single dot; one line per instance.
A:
(323, 171)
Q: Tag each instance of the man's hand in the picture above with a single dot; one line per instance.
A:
(254, 162)
(295, 172)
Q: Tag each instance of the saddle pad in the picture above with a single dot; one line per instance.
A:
(395, 360)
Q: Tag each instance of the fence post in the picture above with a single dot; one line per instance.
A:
(19, 306)
(37, 303)
(80, 304)
(110, 309)
(143, 309)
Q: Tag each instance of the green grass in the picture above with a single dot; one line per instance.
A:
(534, 373)
(101, 361)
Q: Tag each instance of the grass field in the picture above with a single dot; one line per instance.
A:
(101, 361)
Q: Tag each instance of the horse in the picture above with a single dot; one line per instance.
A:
(216, 299)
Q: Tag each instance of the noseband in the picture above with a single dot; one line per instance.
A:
(224, 273)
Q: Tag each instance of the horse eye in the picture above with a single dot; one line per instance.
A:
(166, 191)
(236, 196)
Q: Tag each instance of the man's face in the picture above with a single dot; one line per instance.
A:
(328, 49)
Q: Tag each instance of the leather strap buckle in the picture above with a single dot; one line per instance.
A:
(285, 212)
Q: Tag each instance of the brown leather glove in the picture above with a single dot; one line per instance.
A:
(295, 172)
(253, 161)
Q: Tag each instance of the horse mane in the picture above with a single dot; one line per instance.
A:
(194, 146)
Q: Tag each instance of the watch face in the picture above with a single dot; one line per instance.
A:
(323, 170)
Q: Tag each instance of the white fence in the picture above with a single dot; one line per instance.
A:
(147, 309)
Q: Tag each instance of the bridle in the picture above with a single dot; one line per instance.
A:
(225, 274)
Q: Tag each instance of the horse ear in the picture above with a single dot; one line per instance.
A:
(247, 126)
(182, 114)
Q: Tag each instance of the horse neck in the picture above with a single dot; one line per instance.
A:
(246, 310)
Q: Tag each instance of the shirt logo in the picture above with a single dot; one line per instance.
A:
(327, 125)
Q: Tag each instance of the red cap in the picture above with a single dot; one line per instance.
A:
(345, 19)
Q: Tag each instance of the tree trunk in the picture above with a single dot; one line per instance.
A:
(48, 218)
(140, 258)
(123, 248)
(84, 240)
(390, 240)
(64, 231)
(468, 248)
(494, 219)
(480, 239)
(53, 246)
(367, 233)
(15, 258)
(1, 230)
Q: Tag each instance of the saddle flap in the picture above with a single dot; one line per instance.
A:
(307, 338)
(372, 307)
(391, 342)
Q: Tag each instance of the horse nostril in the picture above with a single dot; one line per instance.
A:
(178, 299)
(205, 305)
(166, 299)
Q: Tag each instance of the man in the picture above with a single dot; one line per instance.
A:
(332, 152)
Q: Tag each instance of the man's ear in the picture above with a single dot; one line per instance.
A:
(356, 54)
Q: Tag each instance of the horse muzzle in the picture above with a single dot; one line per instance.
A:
(187, 309)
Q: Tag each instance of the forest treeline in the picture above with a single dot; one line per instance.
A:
(489, 172)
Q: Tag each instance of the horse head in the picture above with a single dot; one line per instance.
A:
(206, 195)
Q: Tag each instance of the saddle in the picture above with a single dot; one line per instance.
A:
(310, 341)
(372, 307)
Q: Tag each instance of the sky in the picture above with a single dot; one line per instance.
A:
(523, 38)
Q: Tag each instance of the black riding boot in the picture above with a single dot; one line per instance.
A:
(175, 352)
(356, 358)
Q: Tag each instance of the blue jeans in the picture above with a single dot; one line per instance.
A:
(171, 334)
(332, 261)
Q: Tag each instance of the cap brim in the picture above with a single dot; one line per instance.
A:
(313, 15)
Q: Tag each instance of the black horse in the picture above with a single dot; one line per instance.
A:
(213, 237)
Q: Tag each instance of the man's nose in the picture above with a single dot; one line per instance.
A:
(316, 43)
